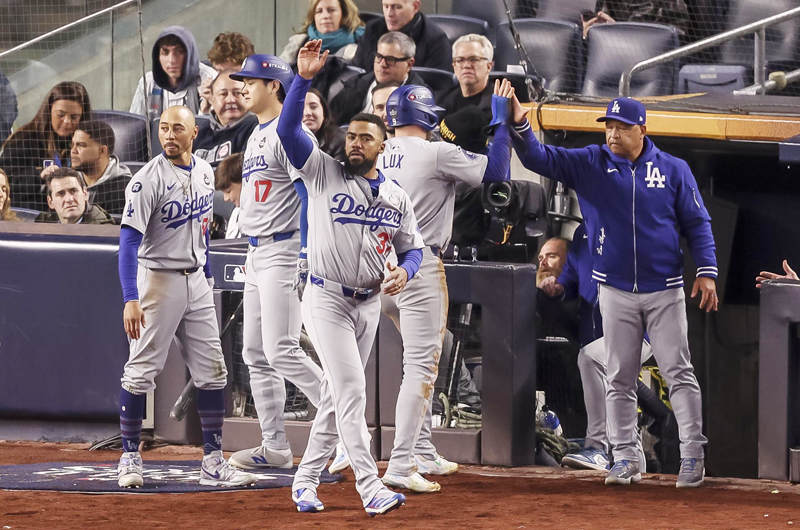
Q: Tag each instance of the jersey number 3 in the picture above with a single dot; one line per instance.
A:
(384, 246)
(262, 190)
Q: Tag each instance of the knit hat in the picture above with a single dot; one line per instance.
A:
(465, 129)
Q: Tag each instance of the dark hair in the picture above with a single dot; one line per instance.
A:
(229, 171)
(371, 118)
(42, 124)
(6, 213)
(328, 129)
(63, 173)
(100, 132)
(170, 40)
(230, 46)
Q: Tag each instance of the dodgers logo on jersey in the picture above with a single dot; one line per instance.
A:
(374, 217)
(178, 214)
(252, 165)
(654, 177)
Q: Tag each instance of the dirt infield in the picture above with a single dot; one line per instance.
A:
(478, 497)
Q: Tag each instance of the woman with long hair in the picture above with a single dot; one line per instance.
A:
(5, 199)
(317, 117)
(43, 142)
(335, 22)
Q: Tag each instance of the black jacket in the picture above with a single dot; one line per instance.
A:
(452, 101)
(433, 47)
(350, 101)
(23, 159)
(216, 142)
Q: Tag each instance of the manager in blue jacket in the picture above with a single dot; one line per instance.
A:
(642, 200)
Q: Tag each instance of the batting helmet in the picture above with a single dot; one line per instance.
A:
(412, 105)
(261, 66)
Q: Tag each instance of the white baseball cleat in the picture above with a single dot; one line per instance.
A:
(261, 457)
(341, 461)
(129, 470)
(215, 471)
(414, 482)
(440, 466)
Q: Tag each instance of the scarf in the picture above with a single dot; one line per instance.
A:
(335, 40)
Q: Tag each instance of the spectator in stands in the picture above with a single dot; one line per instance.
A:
(552, 258)
(226, 55)
(177, 76)
(669, 12)
(472, 62)
(230, 124)
(228, 180)
(335, 22)
(6, 213)
(393, 62)
(404, 16)
(68, 196)
(44, 141)
(8, 107)
(93, 155)
(380, 95)
(317, 117)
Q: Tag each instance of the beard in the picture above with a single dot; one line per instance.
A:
(545, 272)
(84, 166)
(362, 168)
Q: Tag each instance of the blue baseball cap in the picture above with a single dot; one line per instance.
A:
(262, 66)
(626, 110)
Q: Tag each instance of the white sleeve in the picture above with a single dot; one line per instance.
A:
(137, 104)
(454, 164)
(408, 236)
(140, 201)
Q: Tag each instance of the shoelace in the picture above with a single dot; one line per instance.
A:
(622, 465)
(688, 465)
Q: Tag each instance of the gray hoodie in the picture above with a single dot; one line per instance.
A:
(156, 83)
(109, 191)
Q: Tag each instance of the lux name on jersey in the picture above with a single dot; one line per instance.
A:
(253, 164)
(177, 214)
(374, 217)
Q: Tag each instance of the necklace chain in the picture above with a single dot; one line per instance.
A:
(186, 183)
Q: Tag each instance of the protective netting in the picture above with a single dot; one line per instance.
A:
(61, 63)
(583, 46)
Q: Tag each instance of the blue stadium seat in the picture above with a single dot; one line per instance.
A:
(492, 11)
(711, 78)
(567, 10)
(130, 132)
(518, 81)
(555, 48)
(436, 79)
(25, 214)
(782, 41)
(134, 166)
(337, 85)
(614, 48)
(368, 16)
(455, 26)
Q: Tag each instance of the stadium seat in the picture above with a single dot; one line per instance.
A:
(130, 131)
(455, 26)
(492, 11)
(337, 85)
(555, 47)
(782, 41)
(368, 16)
(518, 81)
(134, 166)
(567, 10)
(26, 214)
(435, 79)
(695, 78)
(614, 48)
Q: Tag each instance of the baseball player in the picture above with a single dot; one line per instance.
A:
(355, 217)
(428, 172)
(641, 198)
(167, 292)
(270, 216)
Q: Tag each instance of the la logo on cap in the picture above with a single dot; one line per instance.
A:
(615, 108)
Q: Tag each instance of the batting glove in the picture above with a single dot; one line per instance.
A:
(300, 277)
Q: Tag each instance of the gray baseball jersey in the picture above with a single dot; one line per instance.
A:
(349, 239)
(163, 202)
(268, 200)
(428, 172)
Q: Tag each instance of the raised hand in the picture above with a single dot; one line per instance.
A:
(765, 275)
(309, 60)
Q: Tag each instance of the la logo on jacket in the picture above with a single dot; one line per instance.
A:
(654, 177)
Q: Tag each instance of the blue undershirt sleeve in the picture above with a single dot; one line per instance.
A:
(300, 188)
(129, 241)
(296, 143)
(497, 167)
(410, 261)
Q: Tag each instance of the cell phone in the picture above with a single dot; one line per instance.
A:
(587, 14)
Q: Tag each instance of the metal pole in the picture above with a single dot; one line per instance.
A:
(112, 58)
(144, 84)
(769, 85)
(760, 60)
(63, 28)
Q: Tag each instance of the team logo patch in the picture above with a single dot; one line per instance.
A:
(137, 187)
(469, 155)
(414, 97)
(395, 200)
(262, 142)
(206, 179)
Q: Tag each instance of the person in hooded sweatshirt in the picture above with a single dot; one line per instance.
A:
(231, 125)
(176, 78)
(93, 155)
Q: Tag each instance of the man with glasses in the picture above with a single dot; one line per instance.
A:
(472, 62)
(393, 61)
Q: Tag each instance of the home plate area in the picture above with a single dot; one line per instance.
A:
(180, 476)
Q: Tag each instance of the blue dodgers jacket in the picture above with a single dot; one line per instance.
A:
(576, 278)
(639, 210)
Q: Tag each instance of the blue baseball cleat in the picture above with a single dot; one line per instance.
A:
(384, 502)
(306, 500)
(589, 458)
